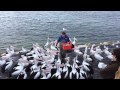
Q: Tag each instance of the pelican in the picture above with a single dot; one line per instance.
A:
(118, 42)
(70, 39)
(46, 57)
(85, 52)
(98, 56)
(11, 49)
(85, 65)
(44, 66)
(110, 56)
(89, 59)
(53, 70)
(106, 51)
(53, 47)
(43, 75)
(98, 50)
(74, 41)
(7, 66)
(52, 60)
(22, 75)
(101, 65)
(59, 61)
(35, 74)
(77, 51)
(74, 74)
(17, 70)
(117, 46)
(68, 64)
(113, 44)
(64, 73)
(7, 56)
(92, 51)
(34, 66)
(2, 62)
(47, 43)
(77, 65)
(85, 56)
(24, 50)
(57, 75)
(36, 56)
(83, 74)
(24, 57)
(37, 45)
(48, 74)
(7, 50)
(76, 59)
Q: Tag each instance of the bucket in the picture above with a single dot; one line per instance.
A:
(67, 46)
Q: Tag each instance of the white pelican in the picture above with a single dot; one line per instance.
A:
(52, 47)
(74, 74)
(98, 50)
(74, 41)
(88, 58)
(64, 73)
(17, 70)
(102, 65)
(2, 62)
(110, 56)
(43, 75)
(24, 50)
(98, 57)
(47, 43)
(83, 74)
(106, 51)
(22, 75)
(35, 73)
(57, 75)
(92, 51)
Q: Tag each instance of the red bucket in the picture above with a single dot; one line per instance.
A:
(67, 46)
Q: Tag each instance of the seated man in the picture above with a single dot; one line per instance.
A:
(62, 39)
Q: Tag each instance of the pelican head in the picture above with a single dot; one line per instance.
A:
(75, 38)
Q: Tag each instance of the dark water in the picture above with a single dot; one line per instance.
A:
(22, 28)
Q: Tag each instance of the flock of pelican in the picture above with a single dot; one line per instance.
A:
(43, 62)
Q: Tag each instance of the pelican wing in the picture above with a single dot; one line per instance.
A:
(49, 75)
(70, 75)
(37, 75)
(9, 65)
(66, 75)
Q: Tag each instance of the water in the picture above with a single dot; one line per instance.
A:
(22, 28)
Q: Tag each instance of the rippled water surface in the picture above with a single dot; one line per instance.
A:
(22, 28)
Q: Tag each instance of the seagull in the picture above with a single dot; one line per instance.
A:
(64, 29)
